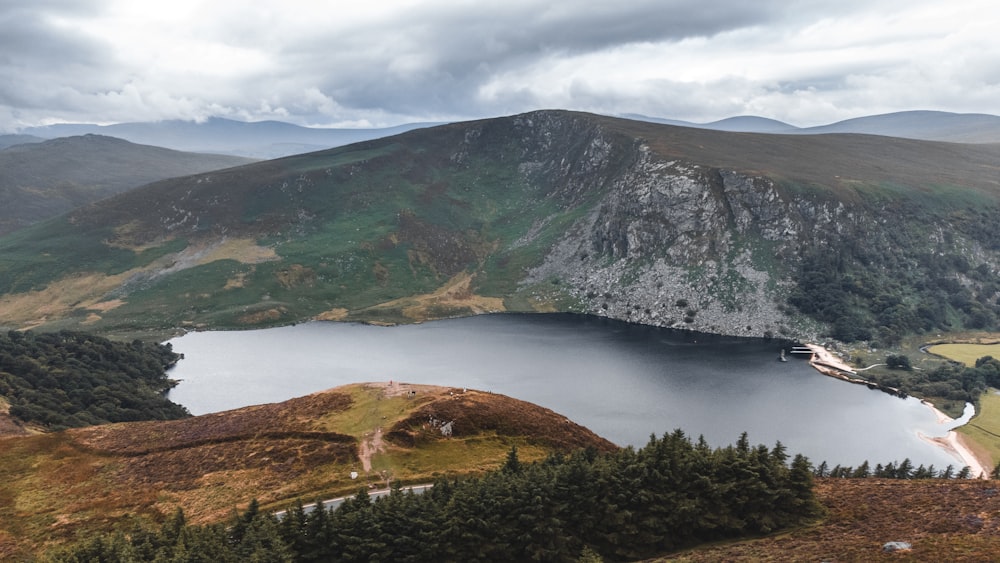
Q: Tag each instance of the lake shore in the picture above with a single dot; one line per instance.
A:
(959, 445)
(954, 443)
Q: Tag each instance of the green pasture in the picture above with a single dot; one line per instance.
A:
(965, 353)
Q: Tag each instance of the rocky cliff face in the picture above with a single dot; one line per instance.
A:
(678, 244)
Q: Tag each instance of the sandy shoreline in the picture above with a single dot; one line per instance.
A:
(823, 357)
(953, 442)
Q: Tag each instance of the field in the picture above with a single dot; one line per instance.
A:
(967, 353)
(983, 431)
(984, 428)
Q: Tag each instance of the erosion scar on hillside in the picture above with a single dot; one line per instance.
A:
(371, 442)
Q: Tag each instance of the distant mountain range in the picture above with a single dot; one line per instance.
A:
(274, 139)
(42, 178)
(260, 140)
(922, 125)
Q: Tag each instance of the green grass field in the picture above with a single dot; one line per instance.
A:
(965, 353)
(984, 428)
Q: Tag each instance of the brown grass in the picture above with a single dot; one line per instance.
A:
(87, 291)
(951, 521)
(58, 486)
(337, 314)
(455, 295)
(244, 250)
(58, 299)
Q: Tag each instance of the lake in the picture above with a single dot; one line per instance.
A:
(622, 381)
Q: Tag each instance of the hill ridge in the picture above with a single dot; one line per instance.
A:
(83, 479)
(704, 230)
(44, 179)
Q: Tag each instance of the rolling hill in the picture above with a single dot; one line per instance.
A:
(66, 485)
(926, 125)
(921, 125)
(855, 236)
(258, 140)
(11, 140)
(39, 180)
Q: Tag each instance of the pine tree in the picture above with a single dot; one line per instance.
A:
(823, 469)
(905, 469)
(513, 464)
(862, 471)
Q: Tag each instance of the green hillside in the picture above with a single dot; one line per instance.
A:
(861, 237)
(40, 179)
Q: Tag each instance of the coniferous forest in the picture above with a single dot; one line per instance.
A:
(68, 379)
(671, 494)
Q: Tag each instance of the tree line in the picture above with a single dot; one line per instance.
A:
(69, 379)
(952, 381)
(892, 470)
(634, 503)
(881, 287)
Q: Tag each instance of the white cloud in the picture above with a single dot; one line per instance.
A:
(380, 63)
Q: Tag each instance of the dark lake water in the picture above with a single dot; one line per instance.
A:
(622, 381)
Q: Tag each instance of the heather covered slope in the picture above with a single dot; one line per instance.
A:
(855, 236)
(69, 484)
(942, 520)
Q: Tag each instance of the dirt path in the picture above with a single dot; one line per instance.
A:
(371, 442)
(370, 445)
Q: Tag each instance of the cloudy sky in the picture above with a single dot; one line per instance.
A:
(386, 62)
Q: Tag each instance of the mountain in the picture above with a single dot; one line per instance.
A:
(857, 237)
(258, 140)
(39, 180)
(11, 140)
(67, 485)
(738, 124)
(750, 124)
(927, 125)
(922, 125)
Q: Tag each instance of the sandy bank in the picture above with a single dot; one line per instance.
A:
(954, 443)
(958, 445)
(824, 358)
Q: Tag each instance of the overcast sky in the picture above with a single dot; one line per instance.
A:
(386, 62)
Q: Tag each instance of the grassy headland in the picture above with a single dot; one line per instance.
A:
(64, 485)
